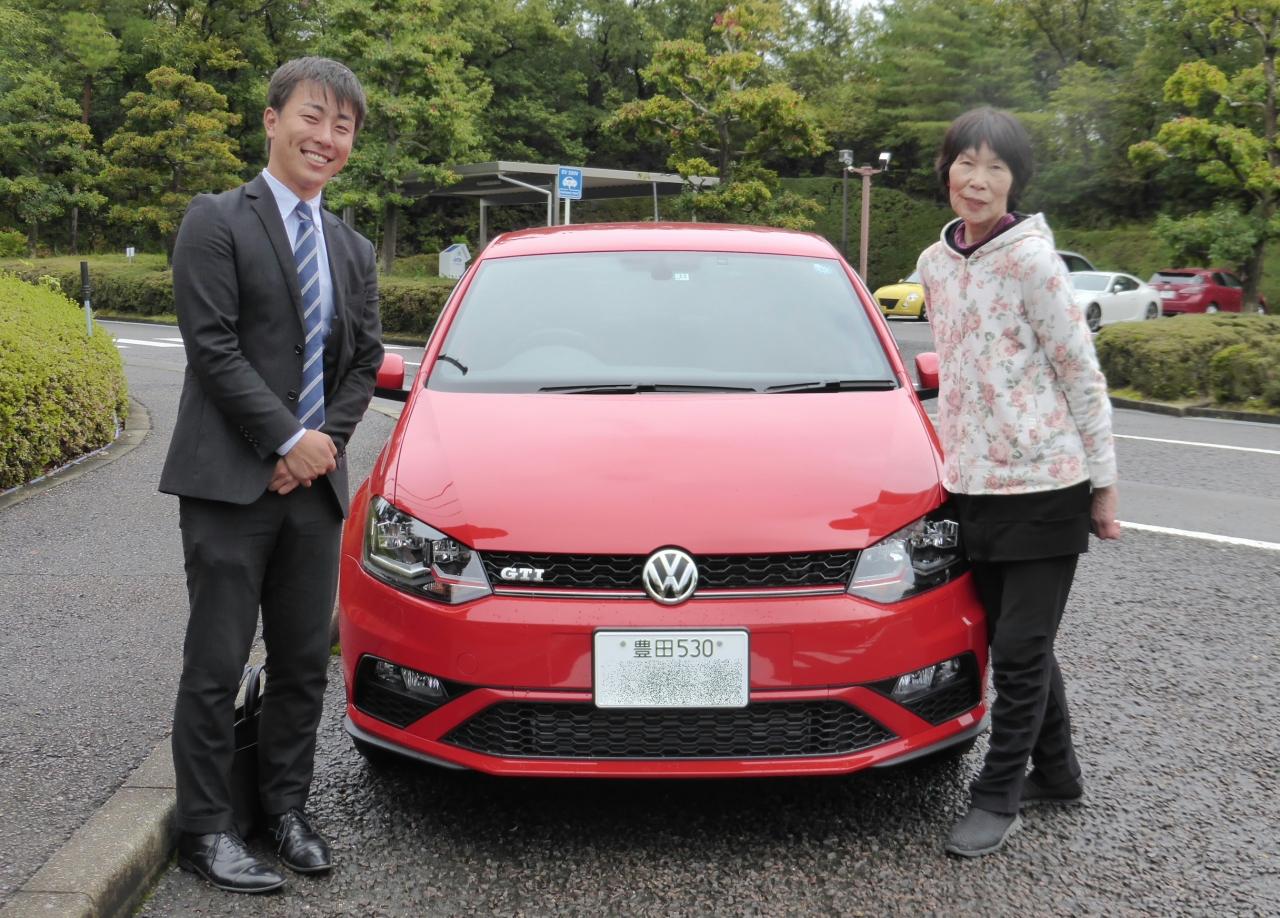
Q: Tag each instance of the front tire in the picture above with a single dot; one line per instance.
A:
(1211, 309)
(1153, 312)
(924, 313)
(1093, 315)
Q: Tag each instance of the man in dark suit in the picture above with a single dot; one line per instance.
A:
(278, 305)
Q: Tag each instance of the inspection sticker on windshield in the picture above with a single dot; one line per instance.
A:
(671, 669)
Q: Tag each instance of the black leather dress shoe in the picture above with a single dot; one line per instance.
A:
(300, 847)
(224, 860)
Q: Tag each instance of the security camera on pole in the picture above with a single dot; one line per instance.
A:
(846, 158)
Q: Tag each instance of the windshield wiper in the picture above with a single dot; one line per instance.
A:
(837, 385)
(630, 388)
(453, 360)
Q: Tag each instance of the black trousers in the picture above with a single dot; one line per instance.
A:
(278, 554)
(1024, 601)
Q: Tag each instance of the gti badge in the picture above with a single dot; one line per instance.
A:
(670, 576)
(523, 574)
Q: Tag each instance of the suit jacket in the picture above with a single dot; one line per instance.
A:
(240, 310)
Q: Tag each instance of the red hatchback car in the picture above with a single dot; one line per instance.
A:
(663, 501)
(1200, 290)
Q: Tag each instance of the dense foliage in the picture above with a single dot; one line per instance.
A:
(1139, 108)
(62, 393)
(1228, 359)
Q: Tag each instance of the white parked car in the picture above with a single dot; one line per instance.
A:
(1109, 296)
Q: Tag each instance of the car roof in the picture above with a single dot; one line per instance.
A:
(658, 237)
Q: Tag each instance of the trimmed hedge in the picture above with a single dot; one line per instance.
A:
(409, 305)
(1228, 358)
(61, 392)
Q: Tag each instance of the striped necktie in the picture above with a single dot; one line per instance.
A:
(310, 410)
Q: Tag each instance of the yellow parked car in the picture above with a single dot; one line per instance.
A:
(905, 298)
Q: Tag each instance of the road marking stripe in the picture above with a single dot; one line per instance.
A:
(146, 343)
(1203, 536)
(179, 340)
(1241, 449)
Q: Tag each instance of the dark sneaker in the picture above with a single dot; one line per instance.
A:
(1035, 792)
(981, 832)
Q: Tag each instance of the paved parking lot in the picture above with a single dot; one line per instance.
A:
(1170, 648)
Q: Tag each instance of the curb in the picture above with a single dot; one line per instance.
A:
(1194, 411)
(136, 427)
(110, 862)
(393, 338)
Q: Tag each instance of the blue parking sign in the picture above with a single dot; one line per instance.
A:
(570, 183)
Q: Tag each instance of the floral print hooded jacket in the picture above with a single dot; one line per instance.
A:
(1022, 404)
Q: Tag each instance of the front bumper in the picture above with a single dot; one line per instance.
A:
(520, 677)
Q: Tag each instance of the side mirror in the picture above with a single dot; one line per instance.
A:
(927, 373)
(390, 382)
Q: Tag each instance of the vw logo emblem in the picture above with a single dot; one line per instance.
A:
(670, 576)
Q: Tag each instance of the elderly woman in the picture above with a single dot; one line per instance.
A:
(1026, 428)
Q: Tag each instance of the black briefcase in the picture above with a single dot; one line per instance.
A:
(246, 806)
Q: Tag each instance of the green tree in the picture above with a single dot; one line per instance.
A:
(424, 102)
(89, 51)
(722, 110)
(47, 161)
(173, 145)
(1228, 131)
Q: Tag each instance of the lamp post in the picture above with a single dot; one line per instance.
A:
(866, 172)
(846, 160)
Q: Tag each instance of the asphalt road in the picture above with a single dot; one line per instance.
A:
(1170, 648)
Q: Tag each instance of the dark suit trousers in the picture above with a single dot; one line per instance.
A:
(1024, 601)
(280, 554)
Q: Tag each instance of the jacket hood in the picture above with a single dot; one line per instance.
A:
(1033, 225)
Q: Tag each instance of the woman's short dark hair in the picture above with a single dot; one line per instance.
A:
(334, 77)
(1000, 131)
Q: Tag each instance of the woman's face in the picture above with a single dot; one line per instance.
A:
(979, 183)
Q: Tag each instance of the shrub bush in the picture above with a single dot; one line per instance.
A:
(1191, 356)
(61, 392)
(13, 244)
(409, 304)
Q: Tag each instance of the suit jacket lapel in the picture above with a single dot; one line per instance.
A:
(264, 205)
(337, 252)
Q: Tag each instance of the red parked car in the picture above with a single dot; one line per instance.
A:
(1200, 290)
(663, 501)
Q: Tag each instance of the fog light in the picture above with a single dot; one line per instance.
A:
(402, 678)
(927, 679)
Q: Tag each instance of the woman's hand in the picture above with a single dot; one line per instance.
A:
(1103, 513)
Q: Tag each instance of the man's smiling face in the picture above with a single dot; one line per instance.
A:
(311, 138)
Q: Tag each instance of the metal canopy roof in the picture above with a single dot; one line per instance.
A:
(502, 182)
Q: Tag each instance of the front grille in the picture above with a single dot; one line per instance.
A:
(777, 729)
(715, 572)
(888, 303)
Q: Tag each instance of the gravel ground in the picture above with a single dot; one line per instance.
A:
(1170, 653)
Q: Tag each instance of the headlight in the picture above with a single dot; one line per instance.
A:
(916, 558)
(411, 556)
(912, 297)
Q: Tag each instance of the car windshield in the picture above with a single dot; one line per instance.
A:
(1169, 277)
(913, 278)
(1089, 281)
(661, 321)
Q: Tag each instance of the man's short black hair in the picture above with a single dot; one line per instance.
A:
(1000, 131)
(334, 77)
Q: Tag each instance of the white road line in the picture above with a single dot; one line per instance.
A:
(1241, 449)
(146, 343)
(396, 347)
(179, 340)
(410, 363)
(1203, 536)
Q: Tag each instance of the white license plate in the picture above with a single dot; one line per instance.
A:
(1167, 294)
(671, 669)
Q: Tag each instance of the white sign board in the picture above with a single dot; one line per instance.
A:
(453, 260)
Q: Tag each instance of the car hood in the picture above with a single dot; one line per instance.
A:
(898, 291)
(626, 474)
